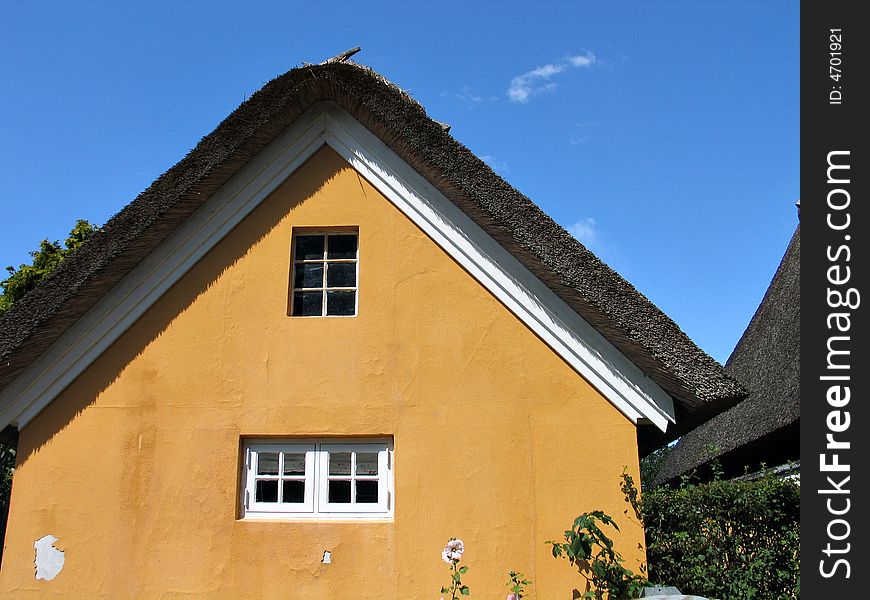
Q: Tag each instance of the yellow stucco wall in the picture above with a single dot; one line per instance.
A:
(135, 467)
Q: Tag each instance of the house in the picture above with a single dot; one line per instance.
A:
(763, 430)
(323, 343)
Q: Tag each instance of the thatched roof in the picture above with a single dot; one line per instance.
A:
(631, 322)
(763, 428)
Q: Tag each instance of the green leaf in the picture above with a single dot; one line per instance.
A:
(464, 590)
(463, 570)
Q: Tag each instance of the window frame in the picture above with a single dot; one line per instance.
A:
(316, 505)
(324, 289)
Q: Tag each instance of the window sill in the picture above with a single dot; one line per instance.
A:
(318, 519)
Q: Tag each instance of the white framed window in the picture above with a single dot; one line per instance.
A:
(325, 273)
(317, 479)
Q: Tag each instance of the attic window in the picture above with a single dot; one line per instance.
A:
(324, 277)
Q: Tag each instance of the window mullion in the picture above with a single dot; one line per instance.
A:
(280, 477)
(323, 277)
(317, 490)
(352, 480)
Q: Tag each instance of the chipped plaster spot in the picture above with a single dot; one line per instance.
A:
(49, 560)
(327, 557)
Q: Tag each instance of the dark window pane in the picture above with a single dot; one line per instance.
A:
(267, 463)
(309, 247)
(339, 463)
(267, 490)
(294, 491)
(339, 492)
(366, 463)
(294, 464)
(340, 303)
(341, 275)
(308, 275)
(306, 304)
(342, 246)
(366, 492)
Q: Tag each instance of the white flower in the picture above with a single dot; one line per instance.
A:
(452, 552)
(511, 596)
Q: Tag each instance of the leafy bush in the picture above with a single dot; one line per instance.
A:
(591, 551)
(725, 539)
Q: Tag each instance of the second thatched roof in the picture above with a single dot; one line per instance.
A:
(763, 428)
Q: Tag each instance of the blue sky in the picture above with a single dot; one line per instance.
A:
(665, 135)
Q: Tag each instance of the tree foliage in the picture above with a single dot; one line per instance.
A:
(651, 464)
(45, 260)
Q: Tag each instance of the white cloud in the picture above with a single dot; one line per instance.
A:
(497, 165)
(537, 81)
(582, 61)
(468, 95)
(585, 231)
(581, 133)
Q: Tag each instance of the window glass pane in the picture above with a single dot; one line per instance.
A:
(341, 275)
(294, 464)
(309, 247)
(308, 275)
(267, 463)
(306, 304)
(366, 463)
(342, 246)
(339, 492)
(267, 490)
(339, 463)
(340, 303)
(294, 491)
(366, 492)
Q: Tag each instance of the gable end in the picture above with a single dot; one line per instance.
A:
(578, 343)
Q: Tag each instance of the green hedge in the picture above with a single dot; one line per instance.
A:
(725, 539)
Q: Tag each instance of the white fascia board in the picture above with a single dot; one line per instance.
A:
(566, 332)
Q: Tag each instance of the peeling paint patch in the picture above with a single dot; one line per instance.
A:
(327, 557)
(49, 560)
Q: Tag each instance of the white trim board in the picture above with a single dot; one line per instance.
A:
(566, 332)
